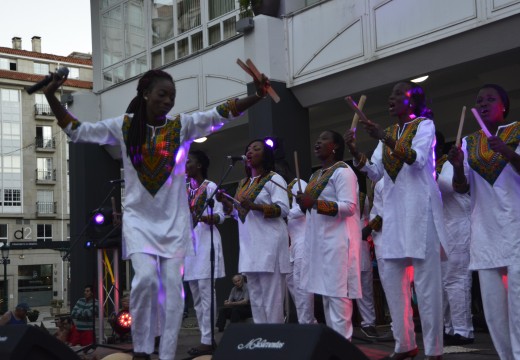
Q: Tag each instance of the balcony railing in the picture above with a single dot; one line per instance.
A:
(43, 109)
(45, 176)
(45, 143)
(45, 208)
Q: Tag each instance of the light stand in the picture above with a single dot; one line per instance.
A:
(210, 202)
(5, 261)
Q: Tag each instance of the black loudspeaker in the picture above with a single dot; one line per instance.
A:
(285, 342)
(26, 342)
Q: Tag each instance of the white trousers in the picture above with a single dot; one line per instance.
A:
(201, 292)
(396, 279)
(156, 303)
(500, 290)
(338, 315)
(266, 294)
(366, 303)
(456, 282)
(303, 300)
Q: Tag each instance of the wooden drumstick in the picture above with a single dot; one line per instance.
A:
(297, 169)
(461, 124)
(354, 107)
(231, 198)
(481, 123)
(360, 105)
(280, 186)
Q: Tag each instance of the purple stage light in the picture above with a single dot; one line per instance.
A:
(99, 219)
(269, 142)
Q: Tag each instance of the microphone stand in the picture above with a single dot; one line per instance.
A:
(210, 202)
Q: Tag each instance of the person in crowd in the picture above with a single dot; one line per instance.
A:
(412, 208)
(489, 169)
(197, 268)
(260, 207)
(63, 329)
(237, 306)
(16, 317)
(331, 261)
(83, 314)
(157, 221)
(456, 276)
(303, 300)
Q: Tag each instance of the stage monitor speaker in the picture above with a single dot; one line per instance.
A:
(285, 342)
(27, 342)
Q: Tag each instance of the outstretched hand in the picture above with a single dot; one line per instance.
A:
(373, 129)
(262, 85)
(56, 82)
(350, 140)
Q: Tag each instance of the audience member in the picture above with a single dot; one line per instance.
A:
(83, 315)
(237, 306)
(16, 317)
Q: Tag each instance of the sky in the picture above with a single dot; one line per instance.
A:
(64, 26)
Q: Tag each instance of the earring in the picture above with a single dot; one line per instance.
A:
(146, 98)
(333, 151)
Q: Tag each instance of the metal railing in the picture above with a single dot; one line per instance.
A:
(45, 143)
(45, 175)
(43, 109)
(46, 208)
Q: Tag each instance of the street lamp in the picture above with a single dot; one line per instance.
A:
(5, 261)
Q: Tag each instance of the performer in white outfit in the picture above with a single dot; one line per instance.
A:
(413, 221)
(263, 237)
(456, 276)
(197, 268)
(156, 221)
(332, 234)
(303, 300)
(489, 168)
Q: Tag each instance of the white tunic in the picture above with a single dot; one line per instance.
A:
(377, 210)
(161, 224)
(331, 261)
(198, 266)
(495, 213)
(264, 242)
(456, 212)
(409, 200)
(296, 225)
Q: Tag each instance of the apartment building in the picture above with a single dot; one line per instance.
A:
(34, 181)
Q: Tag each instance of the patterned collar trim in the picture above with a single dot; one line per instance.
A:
(319, 180)
(250, 190)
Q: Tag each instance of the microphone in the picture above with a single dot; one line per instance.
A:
(237, 158)
(116, 181)
(62, 71)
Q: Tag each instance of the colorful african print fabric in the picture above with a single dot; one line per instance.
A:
(197, 199)
(248, 190)
(317, 183)
(289, 193)
(158, 153)
(439, 163)
(484, 161)
(393, 160)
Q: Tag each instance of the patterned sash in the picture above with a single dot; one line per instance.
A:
(197, 199)
(246, 191)
(439, 163)
(158, 153)
(393, 164)
(484, 161)
(289, 193)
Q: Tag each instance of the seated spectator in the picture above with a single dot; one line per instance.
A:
(63, 329)
(83, 314)
(16, 317)
(237, 306)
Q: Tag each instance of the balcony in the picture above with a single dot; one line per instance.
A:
(43, 112)
(45, 209)
(44, 144)
(45, 176)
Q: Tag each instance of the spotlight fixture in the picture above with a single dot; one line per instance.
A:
(200, 140)
(269, 141)
(420, 79)
(123, 322)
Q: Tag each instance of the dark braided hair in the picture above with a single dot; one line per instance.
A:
(419, 98)
(137, 131)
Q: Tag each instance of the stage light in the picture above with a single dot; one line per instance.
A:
(123, 322)
(200, 140)
(420, 79)
(269, 141)
(102, 216)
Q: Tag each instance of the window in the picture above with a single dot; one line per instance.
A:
(3, 233)
(11, 164)
(12, 197)
(43, 232)
(73, 73)
(220, 7)
(8, 64)
(44, 137)
(162, 21)
(44, 169)
(45, 204)
(41, 105)
(41, 69)
(188, 15)
(35, 284)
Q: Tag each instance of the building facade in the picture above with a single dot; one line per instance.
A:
(315, 52)
(34, 182)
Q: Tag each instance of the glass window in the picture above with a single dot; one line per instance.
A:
(112, 39)
(45, 202)
(73, 73)
(10, 131)
(44, 137)
(183, 47)
(134, 28)
(162, 21)
(220, 7)
(214, 34)
(44, 169)
(43, 232)
(12, 197)
(35, 284)
(41, 69)
(11, 164)
(169, 53)
(196, 42)
(188, 15)
(3, 232)
(4, 64)
(229, 28)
